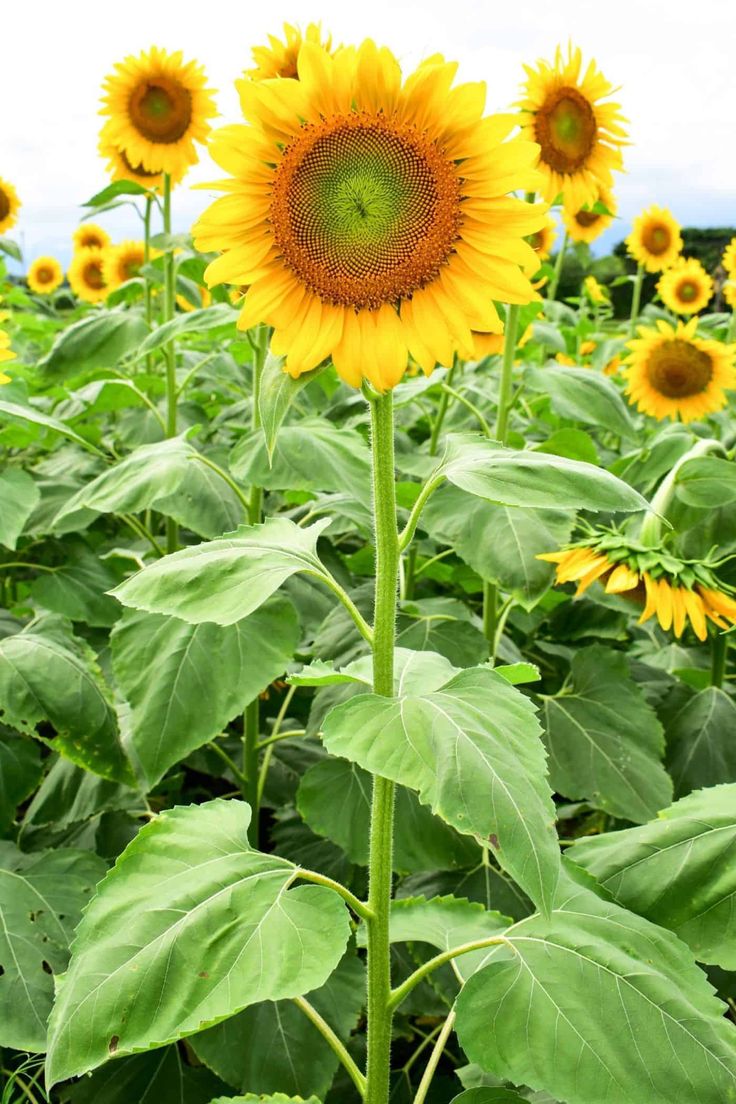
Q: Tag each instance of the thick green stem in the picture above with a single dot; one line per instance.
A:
(146, 259)
(490, 603)
(636, 300)
(650, 533)
(719, 648)
(555, 281)
(382, 811)
(434, 440)
(172, 529)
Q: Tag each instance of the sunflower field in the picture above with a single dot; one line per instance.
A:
(367, 584)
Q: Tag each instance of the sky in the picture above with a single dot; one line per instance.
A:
(672, 60)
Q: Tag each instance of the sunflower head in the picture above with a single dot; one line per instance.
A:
(120, 167)
(543, 241)
(122, 262)
(588, 222)
(9, 206)
(595, 291)
(45, 275)
(672, 373)
(729, 258)
(183, 303)
(158, 107)
(686, 288)
(279, 58)
(369, 217)
(655, 240)
(90, 236)
(729, 292)
(87, 275)
(6, 353)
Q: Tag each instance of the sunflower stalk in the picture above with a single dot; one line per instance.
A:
(148, 299)
(172, 529)
(559, 260)
(650, 533)
(636, 300)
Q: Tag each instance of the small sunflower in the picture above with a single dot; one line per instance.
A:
(9, 206)
(6, 353)
(87, 275)
(90, 236)
(729, 257)
(655, 241)
(587, 223)
(612, 366)
(183, 303)
(492, 344)
(369, 217)
(595, 291)
(580, 137)
(685, 287)
(543, 241)
(672, 373)
(279, 58)
(159, 107)
(122, 262)
(45, 275)
(676, 590)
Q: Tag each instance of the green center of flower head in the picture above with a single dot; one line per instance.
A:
(656, 239)
(687, 291)
(161, 109)
(566, 128)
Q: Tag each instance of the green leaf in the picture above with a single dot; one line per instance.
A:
(205, 675)
(701, 750)
(36, 417)
(77, 589)
(278, 1098)
(604, 741)
(518, 673)
(41, 900)
(112, 191)
(707, 482)
(596, 1004)
(525, 478)
(277, 392)
(160, 1076)
(10, 248)
(583, 395)
(488, 1096)
(471, 749)
(573, 443)
(677, 871)
(443, 625)
(226, 579)
(48, 675)
(20, 773)
(19, 496)
(446, 923)
(101, 339)
(71, 795)
(215, 317)
(190, 927)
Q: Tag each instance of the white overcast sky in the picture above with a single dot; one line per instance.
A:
(673, 59)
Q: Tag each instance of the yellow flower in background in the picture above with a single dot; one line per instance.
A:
(686, 288)
(6, 353)
(158, 107)
(671, 373)
(9, 206)
(122, 262)
(579, 136)
(87, 275)
(119, 167)
(279, 58)
(492, 344)
(612, 366)
(183, 303)
(45, 275)
(369, 217)
(729, 258)
(595, 291)
(655, 240)
(729, 292)
(588, 347)
(587, 224)
(544, 239)
(90, 236)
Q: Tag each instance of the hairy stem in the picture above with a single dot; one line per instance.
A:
(431, 1067)
(333, 1041)
(172, 529)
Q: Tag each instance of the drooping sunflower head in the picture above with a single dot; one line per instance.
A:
(595, 291)
(158, 107)
(9, 206)
(119, 166)
(279, 58)
(122, 262)
(543, 241)
(672, 373)
(655, 240)
(90, 236)
(86, 275)
(370, 218)
(579, 135)
(686, 288)
(45, 275)
(729, 258)
(588, 222)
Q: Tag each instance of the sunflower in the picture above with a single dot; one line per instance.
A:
(183, 303)
(685, 287)
(543, 240)
(9, 206)
(87, 275)
(676, 590)
(670, 372)
(655, 241)
(729, 257)
(90, 236)
(580, 138)
(595, 291)
(120, 168)
(45, 275)
(587, 223)
(279, 59)
(6, 353)
(159, 107)
(492, 344)
(729, 292)
(122, 262)
(371, 219)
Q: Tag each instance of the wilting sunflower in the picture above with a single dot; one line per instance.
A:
(685, 287)
(45, 275)
(655, 241)
(580, 137)
(9, 206)
(279, 58)
(587, 223)
(90, 236)
(159, 107)
(87, 275)
(672, 373)
(122, 262)
(676, 590)
(369, 217)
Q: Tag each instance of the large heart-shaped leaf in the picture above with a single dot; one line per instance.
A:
(583, 396)
(159, 1076)
(701, 749)
(99, 340)
(19, 496)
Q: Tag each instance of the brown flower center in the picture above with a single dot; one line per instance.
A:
(586, 218)
(365, 210)
(656, 238)
(161, 109)
(92, 275)
(4, 205)
(566, 129)
(678, 369)
(91, 240)
(687, 290)
(44, 275)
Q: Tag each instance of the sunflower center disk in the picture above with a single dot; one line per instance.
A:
(161, 110)
(678, 370)
(44, 276)
(586, 218)
(656, 239)
(93, 275)
(566, 130)
(687, 291)
(365, 211)
(4, 205)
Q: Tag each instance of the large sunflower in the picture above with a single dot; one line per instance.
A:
(122, 262)
(45, 275)
(9, 206)
(685, 287)
(159, 107)
(580, 137)
(672, 373)
(587, 224)
(90, 236)
(655, 241)
(87, 276)
(279, 58)
(370, 218)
